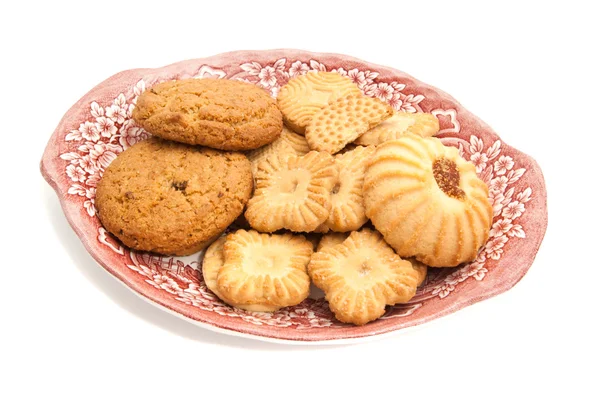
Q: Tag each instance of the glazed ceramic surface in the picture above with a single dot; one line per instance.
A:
(99, 126)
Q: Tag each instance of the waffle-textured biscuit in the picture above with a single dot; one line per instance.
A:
(304, 95)
(427, 201)
(170, 198)
(398, 125)
(331, 239)
(288, 143)
(218, 113)
(361, 276)
(347, 205)
(343, 120)
(292, 192)
(265, 269)
(211, 266)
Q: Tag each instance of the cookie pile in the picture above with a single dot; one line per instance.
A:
(167, 194)
(342, 159)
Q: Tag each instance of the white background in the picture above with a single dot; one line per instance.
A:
(70, 331)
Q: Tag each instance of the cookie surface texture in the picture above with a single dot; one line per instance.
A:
(343, 120)
(420, 268)
(211, 266)
(288, 143)
(304, 95)
(347, 205)
(361, 276)
(427, 201)
(265, 269)
(398, 125)
(171, 198)
(292, 192)
(331, 239)
(218, 113)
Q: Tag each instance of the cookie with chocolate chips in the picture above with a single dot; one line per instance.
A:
(171, 198)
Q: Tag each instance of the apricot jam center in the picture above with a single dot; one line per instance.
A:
(448, 178)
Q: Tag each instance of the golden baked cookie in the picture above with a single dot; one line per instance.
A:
(427, 201)
(292, 192)
(343, 120)
(361, 276)
(218, 113)
(421, 269)
(331, 239)
(322, 228)
(211, 266)
(171, 198)
(265, 269)
(297, 142)
(400, 124)
(304, 95)
(347, 205)
(288, 143)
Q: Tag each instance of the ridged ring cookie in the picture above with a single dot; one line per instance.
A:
(427, 201)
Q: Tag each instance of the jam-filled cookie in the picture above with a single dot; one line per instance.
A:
(427, 201)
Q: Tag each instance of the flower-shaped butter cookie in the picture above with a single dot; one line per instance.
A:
(292, 192)
(361, 276)
(265, 269)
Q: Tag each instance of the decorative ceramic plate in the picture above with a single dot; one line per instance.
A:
(99, 126)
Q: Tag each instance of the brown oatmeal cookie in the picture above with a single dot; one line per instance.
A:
(171, 198)
(218, 113)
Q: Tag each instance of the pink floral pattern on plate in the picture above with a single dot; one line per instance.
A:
(98, 127)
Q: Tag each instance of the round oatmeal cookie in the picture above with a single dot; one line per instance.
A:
(171, 198)
(218, 113)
